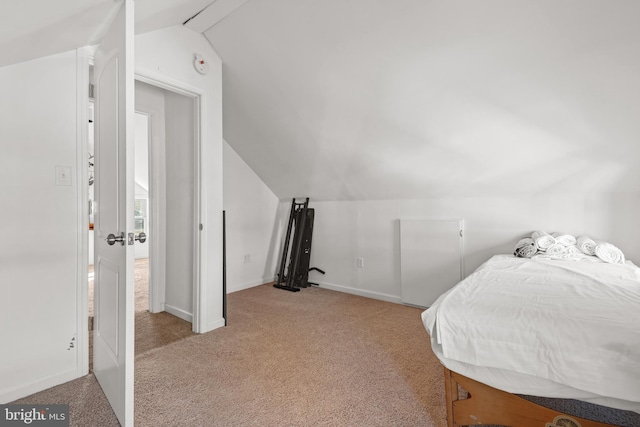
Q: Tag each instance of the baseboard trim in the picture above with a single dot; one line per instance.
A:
(7, 396)
(361, 292)
(331, 286)
(253, 284)
(215, 325)
(178, 312)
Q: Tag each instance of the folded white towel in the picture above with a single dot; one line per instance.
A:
(556, 250)
(573, 253)
(525, 248)
(543, 240)
(586, 245)
(538, 233)
(565, 253)
(609, 253)
(573, 250)
(564, 239)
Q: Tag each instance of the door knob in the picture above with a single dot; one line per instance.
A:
(111, 239)
(141, 237)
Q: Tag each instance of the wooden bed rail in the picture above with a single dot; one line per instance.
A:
(487, 405)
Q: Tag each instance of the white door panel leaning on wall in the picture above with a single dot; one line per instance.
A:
(431, 260)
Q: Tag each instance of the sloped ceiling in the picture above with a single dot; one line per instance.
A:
(34, 28)
(377, 99)
(363, 100)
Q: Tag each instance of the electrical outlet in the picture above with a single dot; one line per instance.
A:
(247, 258)
(360, 262)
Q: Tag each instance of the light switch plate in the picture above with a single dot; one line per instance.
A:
(63, 175)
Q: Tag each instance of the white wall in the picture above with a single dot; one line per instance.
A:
(513, 115)
(141, 250)
(180, 199)
(167, 55)
(254, 227)
(40, 224)
(150, 101)
(41, 277)
(141, 126)
(344, 231)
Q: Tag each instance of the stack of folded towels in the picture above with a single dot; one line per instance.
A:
(567, 247)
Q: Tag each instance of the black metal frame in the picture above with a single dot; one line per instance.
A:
(301, 216)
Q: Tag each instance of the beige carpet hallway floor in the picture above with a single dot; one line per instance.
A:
(152, 330)
(310, 358)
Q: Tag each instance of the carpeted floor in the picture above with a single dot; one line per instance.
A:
(153, 330)
(310, 358)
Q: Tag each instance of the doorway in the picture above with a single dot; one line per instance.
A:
(173, 170)
(167, 211)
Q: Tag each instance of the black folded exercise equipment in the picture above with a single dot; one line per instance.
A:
(301, 222)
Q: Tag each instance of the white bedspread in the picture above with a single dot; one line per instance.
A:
(572, 323)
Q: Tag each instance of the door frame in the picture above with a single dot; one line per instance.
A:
(84, 59)
(158, 246)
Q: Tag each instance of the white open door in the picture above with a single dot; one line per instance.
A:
(113, 344)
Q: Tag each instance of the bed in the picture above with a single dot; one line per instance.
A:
(555, 328)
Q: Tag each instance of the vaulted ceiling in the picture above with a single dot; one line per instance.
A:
(377, 99)
(361, 99)
(33, 28)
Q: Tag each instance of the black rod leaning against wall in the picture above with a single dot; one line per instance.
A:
(280, 278)
(224, 267)
(283, 281)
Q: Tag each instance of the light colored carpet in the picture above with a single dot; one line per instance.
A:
(310, 358)
(152, 330)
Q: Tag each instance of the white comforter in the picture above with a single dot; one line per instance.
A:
(573, 323)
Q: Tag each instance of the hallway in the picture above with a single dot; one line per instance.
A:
(152, 330)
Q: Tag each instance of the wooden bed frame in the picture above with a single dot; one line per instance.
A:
(487, 405)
